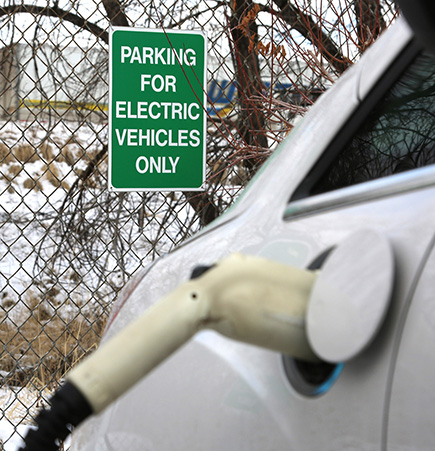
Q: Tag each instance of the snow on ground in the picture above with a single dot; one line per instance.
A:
(21, 203)
(20, 234)
(16, 406)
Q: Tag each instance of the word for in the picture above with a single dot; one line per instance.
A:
(158, 82)
(165, 56)
(156, 110)
(157, 165)
(161, 138)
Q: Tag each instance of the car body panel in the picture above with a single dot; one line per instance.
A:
(411, 394)
(214, 381)
(370, 69)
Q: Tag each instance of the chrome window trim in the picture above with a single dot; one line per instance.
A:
(413, 180)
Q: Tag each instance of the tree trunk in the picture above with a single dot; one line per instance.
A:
(250, 123)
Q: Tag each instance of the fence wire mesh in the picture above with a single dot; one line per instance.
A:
(68, 244)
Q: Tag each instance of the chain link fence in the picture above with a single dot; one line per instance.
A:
(67, 243)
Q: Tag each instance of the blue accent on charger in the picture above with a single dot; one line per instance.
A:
(321, 389)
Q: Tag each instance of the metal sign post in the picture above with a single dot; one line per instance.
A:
(157, 109)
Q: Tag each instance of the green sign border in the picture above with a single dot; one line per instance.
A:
(146, 185)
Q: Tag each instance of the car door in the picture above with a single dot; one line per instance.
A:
(381, 179)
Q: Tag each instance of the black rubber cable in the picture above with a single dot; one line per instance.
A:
(68, 408)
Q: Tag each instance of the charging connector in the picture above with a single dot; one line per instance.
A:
(246, 298)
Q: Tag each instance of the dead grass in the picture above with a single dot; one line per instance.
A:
(5, 154)
(25, 153)
(45, 346)
(13, 160)
(14, 169)
(71, 154)
(11, 171)
(45, 152)
(52, 174)
(21, 405)
(29, 183)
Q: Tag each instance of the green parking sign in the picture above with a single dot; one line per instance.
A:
(157, 109)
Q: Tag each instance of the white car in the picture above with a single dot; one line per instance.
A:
(349, 194)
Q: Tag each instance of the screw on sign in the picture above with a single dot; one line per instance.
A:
(157, 109)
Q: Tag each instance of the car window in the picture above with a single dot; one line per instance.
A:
(398, 135)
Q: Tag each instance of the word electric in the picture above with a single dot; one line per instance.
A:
(156, 110)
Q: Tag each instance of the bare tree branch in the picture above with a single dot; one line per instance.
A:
(370, 22)
(115, 14)
(307, 27)
(59, 13)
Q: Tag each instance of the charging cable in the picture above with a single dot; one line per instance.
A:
(245, 298)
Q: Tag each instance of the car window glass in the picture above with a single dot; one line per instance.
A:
(397, 136)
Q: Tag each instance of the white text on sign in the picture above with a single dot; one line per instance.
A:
(165, 56)
(156, 110)
(158, 165)
(132, 137)
(158, 83)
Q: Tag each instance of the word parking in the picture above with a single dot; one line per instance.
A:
(165, 56)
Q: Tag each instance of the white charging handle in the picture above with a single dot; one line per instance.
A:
(245, 298)
(350, 297)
